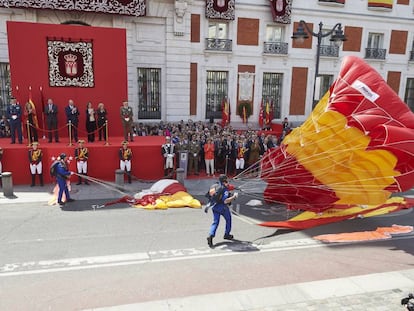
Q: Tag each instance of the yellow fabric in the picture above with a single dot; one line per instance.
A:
(338, 212)
(336, 155)
(179, 199)
(384, 3)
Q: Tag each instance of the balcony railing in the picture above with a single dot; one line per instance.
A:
(213, 44)
(329, 50)
(412, 56)
(280, 48)
(375, 53)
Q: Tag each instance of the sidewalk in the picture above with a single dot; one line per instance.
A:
(375, 292)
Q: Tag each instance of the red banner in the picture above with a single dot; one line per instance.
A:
(281, 11)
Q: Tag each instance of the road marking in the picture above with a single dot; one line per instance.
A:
(230, 249)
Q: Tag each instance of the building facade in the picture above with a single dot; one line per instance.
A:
(186, 57)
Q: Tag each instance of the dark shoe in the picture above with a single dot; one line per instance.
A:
(228, 237)
(32, 185)
(61, 203)
(86, 183)
(79, 183)
(70, 200)
(210, 241)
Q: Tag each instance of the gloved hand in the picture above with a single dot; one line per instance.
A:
(236, 195)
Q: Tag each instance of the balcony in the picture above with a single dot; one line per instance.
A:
(411, 56)
(223, 45)
(329, 50)
(371, 53)
(279, 48)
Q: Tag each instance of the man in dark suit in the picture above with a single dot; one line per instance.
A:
(51, 111)
(72, 116)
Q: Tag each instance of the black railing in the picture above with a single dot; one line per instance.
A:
(329, 50)
(375, 53)
(280, 48)
(219, 44)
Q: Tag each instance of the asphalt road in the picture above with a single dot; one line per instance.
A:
(86, 257)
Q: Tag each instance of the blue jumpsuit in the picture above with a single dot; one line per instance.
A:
(62, 176)
(221, 209)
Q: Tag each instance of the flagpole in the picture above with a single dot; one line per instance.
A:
(43, 111)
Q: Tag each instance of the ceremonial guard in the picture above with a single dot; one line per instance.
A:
(35, 160)
(14, 114)
(194, 152)
(240, 160)
(125, 156)
(127, 121)
(81, 156)
(167, 151)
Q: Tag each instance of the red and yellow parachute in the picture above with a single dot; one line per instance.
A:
(356, 148)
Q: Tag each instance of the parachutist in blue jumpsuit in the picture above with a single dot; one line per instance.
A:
(221, 208)
(62, 175)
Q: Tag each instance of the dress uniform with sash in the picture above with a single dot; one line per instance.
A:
(35, 160)
(125, 156)
(81, 156)
(127, 121)
(167, 151)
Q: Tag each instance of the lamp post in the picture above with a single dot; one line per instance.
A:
(337, 36)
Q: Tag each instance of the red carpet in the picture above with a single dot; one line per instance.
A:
(147, 162)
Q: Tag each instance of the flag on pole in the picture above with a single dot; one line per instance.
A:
(225, 112)
(33, 107)
(261, 114)
(267, 112)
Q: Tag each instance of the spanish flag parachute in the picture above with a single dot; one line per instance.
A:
(355, 149)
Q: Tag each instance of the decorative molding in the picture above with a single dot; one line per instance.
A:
(121, 7)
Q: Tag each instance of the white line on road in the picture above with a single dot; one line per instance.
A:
(231, 249)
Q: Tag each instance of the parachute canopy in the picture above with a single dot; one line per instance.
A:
(356, 147)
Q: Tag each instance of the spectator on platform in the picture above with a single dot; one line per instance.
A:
(101, 116)
(125, 157)
(31, 117)
(62, 176)
(209, 157)
(72, 118)
(141, 130)
(4, 127)
(14, 114)
(81, 157)
(90, 122)
(127, 121)
(286, 126)
(51, 111)
(255, 151)
(35, 163)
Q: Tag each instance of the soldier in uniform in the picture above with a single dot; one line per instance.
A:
(14, 114)
(127, 121)
(193, 155)
(125, 156)
(167, 151)
(81, 156)
(35, 160)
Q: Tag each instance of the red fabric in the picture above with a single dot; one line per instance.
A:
(174, 188)
(261, 114)
(109, 47)
(225, 112)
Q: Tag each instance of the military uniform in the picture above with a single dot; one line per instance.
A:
(14, 114)
(167, 151)
(126, 118)
(81, 156)
(193, 154)
(125, 156)
(35, 163)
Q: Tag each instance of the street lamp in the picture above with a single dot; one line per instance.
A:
(337, 36)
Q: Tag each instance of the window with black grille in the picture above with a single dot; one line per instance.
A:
(272, 91)
(216, 92)
(149, 93)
